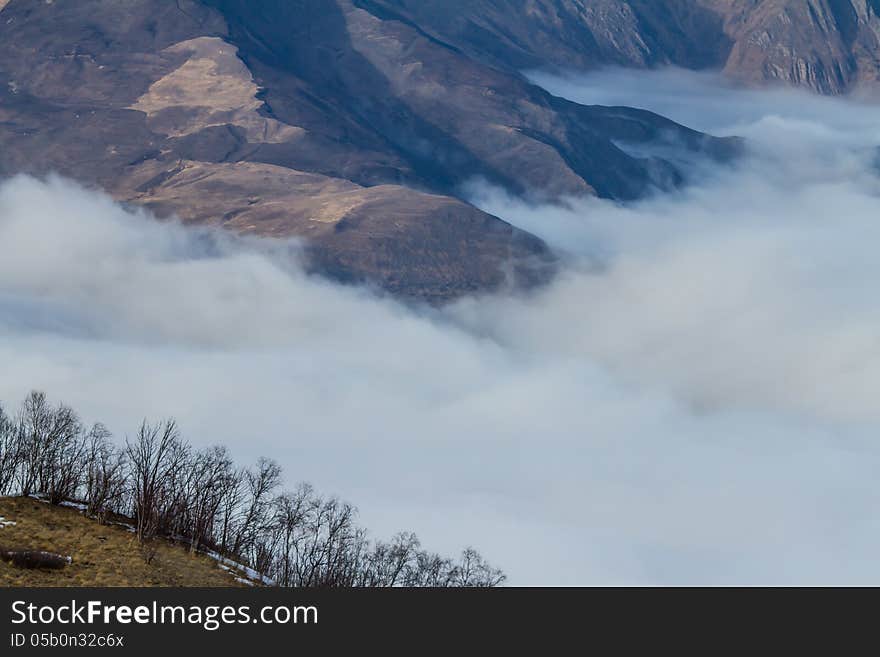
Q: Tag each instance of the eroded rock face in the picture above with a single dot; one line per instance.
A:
(828, 46)
(824, 45)
(521, 34)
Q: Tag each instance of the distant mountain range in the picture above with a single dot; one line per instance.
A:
(824, 45)
(354, 123)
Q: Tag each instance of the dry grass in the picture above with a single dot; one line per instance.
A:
(212, 88)
(102, 555)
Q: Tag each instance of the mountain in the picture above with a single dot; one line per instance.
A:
(827, 46)
(578, 34)
(337, 121)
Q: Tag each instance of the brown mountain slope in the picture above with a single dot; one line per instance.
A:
(316, 119)
(522, 34)
(824, 45)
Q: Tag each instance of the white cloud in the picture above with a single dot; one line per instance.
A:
(691, 402)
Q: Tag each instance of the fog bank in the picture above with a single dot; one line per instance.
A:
(690, 402)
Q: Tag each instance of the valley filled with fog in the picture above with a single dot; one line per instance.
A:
(691, 401)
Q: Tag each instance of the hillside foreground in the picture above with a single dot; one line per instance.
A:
(101, 555)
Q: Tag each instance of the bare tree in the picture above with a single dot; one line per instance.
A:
(51, 448)
(388, 563)
(298, 538)
(474, 571)
(311, 541)
(105, 474)
(154, 459)
(332, 534)
(260, 485)
(211, 471)
(291, 513)
(229, 512)
(34, 422)
(9, 452)
(61, 472)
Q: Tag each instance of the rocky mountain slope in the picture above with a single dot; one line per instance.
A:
(824, 45)
(330, 120)
(829, 46)
(580, 34)
(353, 124)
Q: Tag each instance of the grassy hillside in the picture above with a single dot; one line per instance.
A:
(103, 555)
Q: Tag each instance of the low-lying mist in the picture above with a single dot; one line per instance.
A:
(691, 401)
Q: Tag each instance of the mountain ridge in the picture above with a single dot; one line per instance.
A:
(828, 46)
(315, 120)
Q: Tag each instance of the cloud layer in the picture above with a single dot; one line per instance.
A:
(690, 402)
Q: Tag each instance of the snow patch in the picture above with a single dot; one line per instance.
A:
(232, 566)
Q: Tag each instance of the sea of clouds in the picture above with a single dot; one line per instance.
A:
(692, 401)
